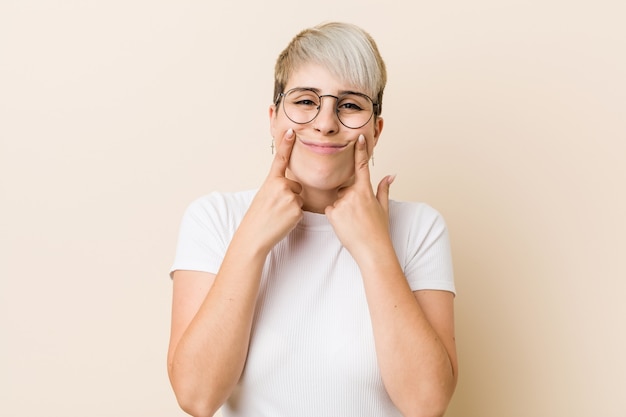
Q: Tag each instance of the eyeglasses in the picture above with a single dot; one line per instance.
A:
(302, 105)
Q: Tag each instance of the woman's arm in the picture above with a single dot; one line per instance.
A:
(212, 314)
(211, 319)
(413, 332)
(414, 336)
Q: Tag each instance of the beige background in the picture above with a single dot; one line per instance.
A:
(507, 116)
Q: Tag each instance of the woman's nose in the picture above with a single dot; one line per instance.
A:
(326, 120)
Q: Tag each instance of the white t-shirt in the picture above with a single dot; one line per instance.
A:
(312, 347)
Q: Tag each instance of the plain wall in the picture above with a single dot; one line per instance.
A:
(509, 117)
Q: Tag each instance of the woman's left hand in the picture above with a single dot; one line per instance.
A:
(360, 218)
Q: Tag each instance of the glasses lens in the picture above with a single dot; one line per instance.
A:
(301, 105)
(353, 110)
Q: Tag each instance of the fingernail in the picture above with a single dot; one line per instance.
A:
(391, 179)
(361, 139)
(289, 133)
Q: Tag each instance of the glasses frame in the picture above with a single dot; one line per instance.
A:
(337, 98)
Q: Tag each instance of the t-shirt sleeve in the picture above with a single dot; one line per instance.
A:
(426, 257)
(203, 236)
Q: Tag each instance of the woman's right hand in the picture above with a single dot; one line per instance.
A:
(277, 206)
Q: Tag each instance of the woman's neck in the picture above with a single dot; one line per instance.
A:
(316, 201)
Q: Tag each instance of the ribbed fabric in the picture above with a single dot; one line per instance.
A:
(312, 347)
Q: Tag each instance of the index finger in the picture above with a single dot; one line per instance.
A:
(361, 161)
(283, 154)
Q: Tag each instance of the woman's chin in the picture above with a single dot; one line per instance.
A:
(324, 174)
(321, 180)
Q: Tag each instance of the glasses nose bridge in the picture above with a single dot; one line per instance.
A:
(319, 108)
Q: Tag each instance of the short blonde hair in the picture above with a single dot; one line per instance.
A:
(346, 50)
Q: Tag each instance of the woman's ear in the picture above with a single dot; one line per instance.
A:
(378, 128)
(272, 114)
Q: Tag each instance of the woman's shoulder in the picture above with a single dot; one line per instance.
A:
(413, 209)
(415, 219)
(220, 207)
(223, 200)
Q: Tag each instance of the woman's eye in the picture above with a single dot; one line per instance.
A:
(350, 106)
(306, 102)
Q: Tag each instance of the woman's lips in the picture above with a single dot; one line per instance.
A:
(324, 148)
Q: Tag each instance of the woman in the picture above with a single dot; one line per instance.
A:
(315, 295)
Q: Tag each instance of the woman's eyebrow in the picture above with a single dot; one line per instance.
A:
(319, 91)
(350, 92)
(303, 87)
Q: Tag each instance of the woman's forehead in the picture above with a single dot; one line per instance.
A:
(319, 78)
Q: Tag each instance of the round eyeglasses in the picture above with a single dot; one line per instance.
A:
(302, 105)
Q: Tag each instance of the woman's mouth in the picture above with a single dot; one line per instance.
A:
(323, 148)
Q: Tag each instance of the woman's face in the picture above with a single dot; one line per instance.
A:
(323, 153)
